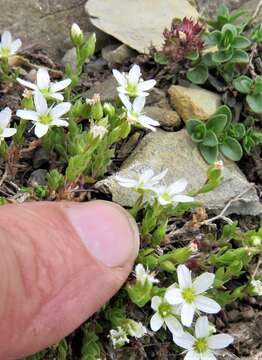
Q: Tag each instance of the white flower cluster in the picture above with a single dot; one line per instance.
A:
(132, 85)
(177, 309)
(148, 182)
(119, 336)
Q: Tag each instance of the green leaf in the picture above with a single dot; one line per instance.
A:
(258, 85)
(213, 38)
(241, 42)
(207, 59)
(193, 55)
(231, 149)
(255, 102)
(217, 123)
(222, 56)
(210, 139)
(160, 58)
(191, 124)
(243, 84)
(229, 32)
(239, 57)
(199, 133)
(198, 75)
(224, 110)
(209, 153)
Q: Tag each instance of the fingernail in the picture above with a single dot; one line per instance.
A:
(107, 230)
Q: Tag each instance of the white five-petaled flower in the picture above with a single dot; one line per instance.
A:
(45, 117)
(8, 47)
(171, 194)
(188, 294)
(50, 90)
(5, 118)
(132, 83)
(136, 329)
(202, 346)
(145, 181)
(144, 276)
(135, 112)
(118, 337)
(165, 315)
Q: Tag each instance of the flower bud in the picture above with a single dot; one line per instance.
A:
(77, 35)
(109, 109)
(97, 109)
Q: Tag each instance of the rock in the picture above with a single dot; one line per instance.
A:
(138, 24)
(70, 58)
(115, 54)
(40, 158)
(251, 6)
(38, 178)
(165, 116)
(234, 315)
(96, 65)
(128, 146)
(157, 97)
(193, 102)
(106, 89)
(176, 152)
(44, 24)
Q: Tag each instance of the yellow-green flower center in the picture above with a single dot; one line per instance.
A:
(5, 52)
(189, 295)
(164, 310)
(166, 196)
(45, 92)
(201, 345)
(131, 89)
(45, 119)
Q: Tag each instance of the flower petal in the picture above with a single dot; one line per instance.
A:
(203, 282)
(192, 355)
(173, 296)
(40, 103)
(139, 104)
(201, 328)
(6, 39)
(60, 109)
(43, 79)
(15, 46)
(41, 130)
(208, 356)
(5, 117)
(125, 100)
(155, 302)
(27, 84)
(59, 122)
(27, 115)
(182, 199)
(187, 314)
(186, 340)
(220, 341)
(159, 177)
(57, 96)
(134, 74)
(184, 276)
(121, 79)
(207, 305)
(177, 187)
(156, 322)
(174, 326)
(146, 85)
(9, 132)
(60, 85)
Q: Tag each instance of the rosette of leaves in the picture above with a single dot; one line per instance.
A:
(214, 136)
(229, 45)
(252, 89)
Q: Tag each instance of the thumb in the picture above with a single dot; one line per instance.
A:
(59, 263)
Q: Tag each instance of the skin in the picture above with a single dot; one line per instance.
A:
(59, 263)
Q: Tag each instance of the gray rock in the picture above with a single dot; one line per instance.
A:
(176, 152)
(38, 178)
(115, 54)
(165, 116)
(70, 58)
(96, 65)
(40, 158)
(106, 89)
(138, 24)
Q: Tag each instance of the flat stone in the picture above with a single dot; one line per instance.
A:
(138, 24)
(115, 54)
(193, 102)
(106, 89)
(176, 152)
(38, 178)
(40, 158)
(165, 116)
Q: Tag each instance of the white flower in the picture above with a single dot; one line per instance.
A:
(77, 35)
(136, 329)
(44, 86)
(189, 294)
(8, 47)
(202, 346)
(165, 315)
(135, 114)
(145, 181)
(118, 337)
(132, 83)
(5, 118)
(257, 287)
(98, 131)
(171, 194)
(144, 276)
(45, 117)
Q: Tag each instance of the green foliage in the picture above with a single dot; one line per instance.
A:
(55, 180)
(216, 135)
(252, 89)
(91, 349)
